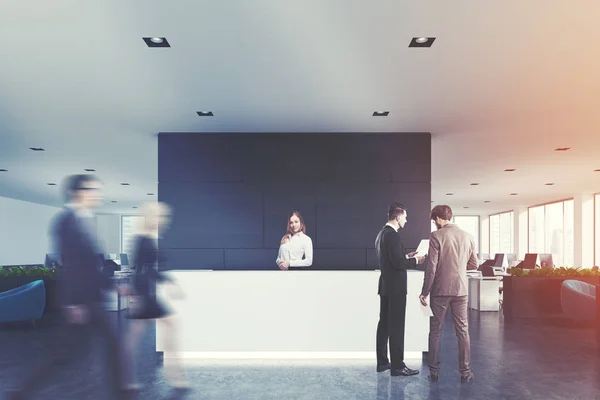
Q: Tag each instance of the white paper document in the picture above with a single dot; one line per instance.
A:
(423, 248)
(426, 309)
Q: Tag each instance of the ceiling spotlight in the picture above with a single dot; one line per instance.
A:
(205, 113)
(133, 207)
(156, 42)
(562, 149)
(486, 201)
(549, 184)
(465, 207)
(113, 201)
(150, 194)
(509, 170)
(421, 41)
(90, 170)
(514, 194)
(51, 184)
(381, 113)
(3, 170)
(124, 184)
(36, 149)
(474, 184)
(449, 194)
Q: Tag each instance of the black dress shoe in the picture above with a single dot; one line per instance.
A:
(467, 378)
(404, 372)
(384, 367)
(434, 377)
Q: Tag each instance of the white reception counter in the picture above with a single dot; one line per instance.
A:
(287, 315)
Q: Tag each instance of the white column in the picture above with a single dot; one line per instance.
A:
(583, 235)
(484, 234)
(521, 232)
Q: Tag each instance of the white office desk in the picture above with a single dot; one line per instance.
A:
(484, 294)
(287, 315)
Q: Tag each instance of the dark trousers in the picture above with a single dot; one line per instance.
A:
(72, 342)
(392, 315)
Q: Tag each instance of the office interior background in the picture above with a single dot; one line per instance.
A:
(242, 113)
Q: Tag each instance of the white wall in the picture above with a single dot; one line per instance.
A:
(24, 231)
(109, 232)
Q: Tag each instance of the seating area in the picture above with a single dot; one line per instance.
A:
(578, 300)
(25, 303)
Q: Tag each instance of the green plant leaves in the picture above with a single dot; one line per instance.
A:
(32, 272)
(558, 272)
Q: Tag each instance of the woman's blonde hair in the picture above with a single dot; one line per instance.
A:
(151, 212)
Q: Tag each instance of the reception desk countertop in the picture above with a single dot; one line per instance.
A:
(287, 314)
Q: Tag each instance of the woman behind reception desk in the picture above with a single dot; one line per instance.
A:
(296, 250)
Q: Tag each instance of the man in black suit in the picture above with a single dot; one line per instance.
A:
(393, 263)
(81, 291)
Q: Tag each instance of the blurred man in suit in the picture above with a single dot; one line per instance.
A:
(81, 291)
(393, 263)
(451, 253)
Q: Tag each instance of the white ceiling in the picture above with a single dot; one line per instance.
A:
(504, 84)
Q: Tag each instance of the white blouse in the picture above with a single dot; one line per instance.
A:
(299, 246)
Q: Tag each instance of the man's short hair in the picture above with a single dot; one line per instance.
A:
(443, 212)
(394, 210)
(74, 183)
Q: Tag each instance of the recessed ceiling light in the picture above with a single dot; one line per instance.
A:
(381, 113)
(156, 42)
(486, 201)
(562, 149)
(509, 170)
(449, 194)
(205, 113)
(421, 42)
(150, 194)
(124, 184)
(514, 194)
(36, 149)
(133, 207)
(474, 184)
(51, 184)
(549, 184)
(465, 207)
(113, 201)
(3, 170)
(90, 170)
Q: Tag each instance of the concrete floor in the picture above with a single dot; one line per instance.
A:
(517, 361)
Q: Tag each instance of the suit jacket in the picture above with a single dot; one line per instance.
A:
(392, 262)
(83, 280)
(451, 253)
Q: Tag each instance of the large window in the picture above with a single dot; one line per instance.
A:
(502, 228)
(597, 228)
(130, 225)
(470, 224)
(551, 231)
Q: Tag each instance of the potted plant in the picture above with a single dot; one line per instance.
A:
(16, 276)
(535, 293)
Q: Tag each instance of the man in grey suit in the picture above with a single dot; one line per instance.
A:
(451, 253)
